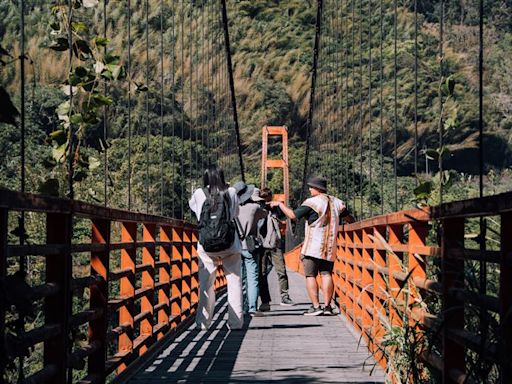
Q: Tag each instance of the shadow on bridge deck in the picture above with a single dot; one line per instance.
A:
(283, 346)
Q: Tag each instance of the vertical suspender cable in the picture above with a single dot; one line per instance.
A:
(146, 179)
(182, 85)
(441, 104)
(232, 87)
(370, 114)
(312, 95)
(129, 108)
(161, 107)
(395, 109)
(361, 192)
(481, 99)
(352, 108)
(105, 118)
(416, 91)
(71, 131)
(173, 107)
(381, 106)
(192, 122)
(483, 265)
(21, 219)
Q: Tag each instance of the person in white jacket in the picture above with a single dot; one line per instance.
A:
(230, 259)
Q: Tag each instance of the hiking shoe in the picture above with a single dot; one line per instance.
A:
(312, 311)
(328, 311)
(265, 307)
(287, 301)
(256, 314)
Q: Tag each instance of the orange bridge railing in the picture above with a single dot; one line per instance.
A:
(110, 285)
(390, 274)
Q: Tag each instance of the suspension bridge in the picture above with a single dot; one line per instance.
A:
(99, 265)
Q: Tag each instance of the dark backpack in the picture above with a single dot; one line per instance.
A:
(216, 227)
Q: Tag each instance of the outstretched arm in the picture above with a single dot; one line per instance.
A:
(286, 210)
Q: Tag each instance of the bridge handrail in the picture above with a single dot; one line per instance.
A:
(151, 260)
(384, 268)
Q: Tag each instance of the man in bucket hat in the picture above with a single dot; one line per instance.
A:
(323, 213)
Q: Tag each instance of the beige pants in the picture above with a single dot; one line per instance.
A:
(207, 274)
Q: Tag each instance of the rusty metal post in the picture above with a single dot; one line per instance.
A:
(186, 271)
(395, 261)
(127, 288)
(453, 308)
(505, 298)
(164, 275)
(148, 281)
(194, 269)
(100, 266)
(176, 275)
(282, 163)
(379, 291)
(57, 308)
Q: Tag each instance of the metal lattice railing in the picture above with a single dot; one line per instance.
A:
(140, 274)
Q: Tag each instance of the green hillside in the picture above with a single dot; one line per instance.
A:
(272, 45)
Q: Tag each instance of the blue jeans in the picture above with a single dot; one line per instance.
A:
(250, 277)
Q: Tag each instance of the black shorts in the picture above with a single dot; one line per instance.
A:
(312, 266)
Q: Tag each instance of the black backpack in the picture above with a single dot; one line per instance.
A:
(216, 227)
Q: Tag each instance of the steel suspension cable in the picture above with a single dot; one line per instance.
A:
(352, 108)
(182, 85)
(105, 118)
(173, 106)
(395, 109)
(146, 96)
(192, 122)
(129, 70)
(441, 103)
(312, 95)
(381, 105)
(370, 113)
(161, 107)
(361, 192)
(71, 130)
(232, 87)
(416, 91)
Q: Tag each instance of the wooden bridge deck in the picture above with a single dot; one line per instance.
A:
(283, 346)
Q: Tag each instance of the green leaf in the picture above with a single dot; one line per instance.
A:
(111, 59)
(49, 187)
(55, 26)
(81, 71)
(76, 118)
(59, 152)
(114, 69)
(60, 136)
(78, 26)
(102, 100)
(61, 44)
(63, 108)
(423, 191)
(81, 49)
(431, 154)
(101, 41)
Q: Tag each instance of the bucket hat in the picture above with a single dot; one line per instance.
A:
(244, 191)
(318, 182)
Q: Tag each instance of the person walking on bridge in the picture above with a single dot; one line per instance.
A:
(216, 206)
(323, 213)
